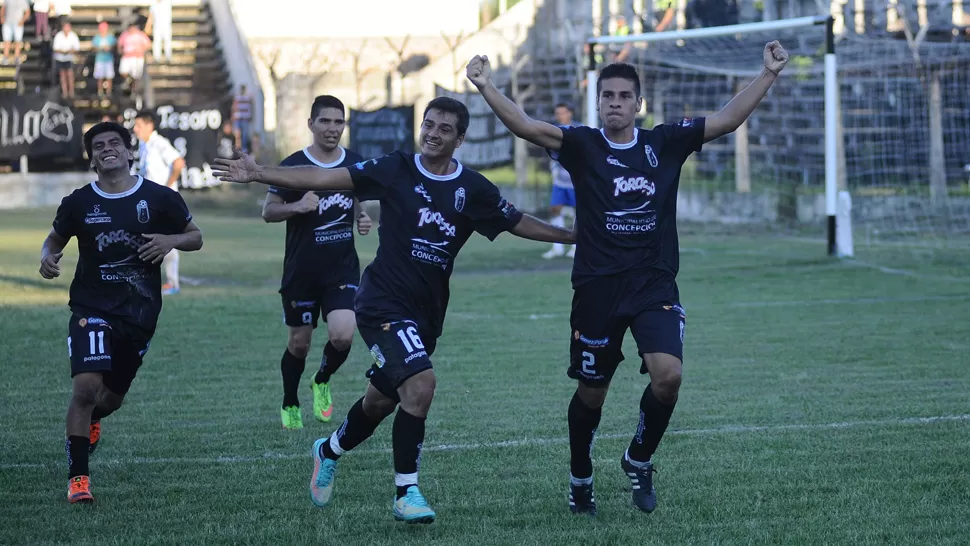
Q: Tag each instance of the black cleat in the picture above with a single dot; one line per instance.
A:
(641, 481)
(581, 499)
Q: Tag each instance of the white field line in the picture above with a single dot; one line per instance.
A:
(526, 442)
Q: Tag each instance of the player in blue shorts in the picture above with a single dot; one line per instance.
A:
(563, 200)
(430, 205)
(627, 257)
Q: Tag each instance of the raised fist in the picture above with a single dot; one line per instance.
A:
(775, 57)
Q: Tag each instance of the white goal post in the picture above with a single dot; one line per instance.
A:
(820, 25)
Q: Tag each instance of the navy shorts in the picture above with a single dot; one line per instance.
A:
(605, 308)
(400, 350)
(563, 197)
(96, 345)
(304, 307)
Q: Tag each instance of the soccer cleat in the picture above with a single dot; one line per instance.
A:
(169, 290)
(321, 482)
(581, 500)
(641, 481)
(413, 508)
(322, 401)
(94, 436)
(292, 417)
(79, 490)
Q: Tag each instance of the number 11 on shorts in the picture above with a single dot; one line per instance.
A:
(100, 343)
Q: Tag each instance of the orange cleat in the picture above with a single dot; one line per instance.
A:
(79, 490)
(94, 436)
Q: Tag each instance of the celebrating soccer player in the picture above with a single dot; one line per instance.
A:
(430, 205)
(125, 226)
(321, 270)
(627, 253)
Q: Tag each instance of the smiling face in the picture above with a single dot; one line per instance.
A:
(439, 134)
(618, 103)
(327, 128)
(109, 152)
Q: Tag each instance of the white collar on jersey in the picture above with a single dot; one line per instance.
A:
(628, 145)
(338, 161)
(439, 177)
(97, 190)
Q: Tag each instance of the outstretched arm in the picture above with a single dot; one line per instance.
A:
(537, 132)
(530, 227)
(729, 118)
(243, 169)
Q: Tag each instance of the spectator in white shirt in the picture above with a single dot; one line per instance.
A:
(159, 162)
(160, 27)
(42, 27)
(66, 45)
(60, 8)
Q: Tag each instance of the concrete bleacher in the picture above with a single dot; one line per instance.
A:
(196, 73)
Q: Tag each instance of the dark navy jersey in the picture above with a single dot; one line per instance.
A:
(111, 281)
(626, 197)
(320, 248)
(425, 221)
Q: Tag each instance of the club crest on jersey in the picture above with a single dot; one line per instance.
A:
(142, 208)
(651, 157)
(460, 199)
(421, 191)
(687, 122)
(633, 184)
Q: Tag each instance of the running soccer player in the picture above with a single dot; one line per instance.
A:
(321, 269)
(125, 225)
(562, 202)
(627, 259)
(430, 205)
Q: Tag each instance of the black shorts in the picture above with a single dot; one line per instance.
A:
(400, 349)
(603, 310)
(304, 307)
(63, 65)
(109, 348)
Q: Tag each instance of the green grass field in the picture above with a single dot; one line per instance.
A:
(824, 402)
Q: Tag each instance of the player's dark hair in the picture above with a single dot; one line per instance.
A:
(326, 101)
(147, 115)
(450, 106)
(565, 105)
(619, 70)
(106, 127)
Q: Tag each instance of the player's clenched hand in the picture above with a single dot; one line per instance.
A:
(364, 223)
(479, 70)
(309, 203)
(48, 266)
(241, 168)
(157, 247)
(775, 57)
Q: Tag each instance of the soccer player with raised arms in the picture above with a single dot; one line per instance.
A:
(430, 205)
(124, 225)
(321, 269)
(627, 253)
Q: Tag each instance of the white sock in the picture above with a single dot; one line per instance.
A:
(558, 221)
(637, 464)
(580, 481)
(335, 444)
(400, 480)
(171, 264)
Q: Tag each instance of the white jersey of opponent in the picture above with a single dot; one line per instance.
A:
(155, 159)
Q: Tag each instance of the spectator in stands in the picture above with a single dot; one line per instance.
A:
(621, 53)
(60, 8)
(66, 45)
(712, 13)
(42, 27)
(664, 12)
(227, 140)
(242, 116)
(13, 16)
(104, 44)
(133, 45)
(160, 27)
